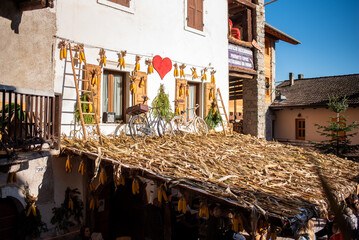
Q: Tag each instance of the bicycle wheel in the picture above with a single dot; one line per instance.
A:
(164, 127)
(200, 127)
(177, 124)
(138, 127)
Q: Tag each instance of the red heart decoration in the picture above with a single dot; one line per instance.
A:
(162, 66)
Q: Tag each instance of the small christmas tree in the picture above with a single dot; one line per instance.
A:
(162, 101)
(337, 131)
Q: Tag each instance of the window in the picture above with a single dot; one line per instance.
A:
(300, 129)
(240, 20)
(268, 87)
(193, 98)
(113, 94)
(124, 5)
(195, 14)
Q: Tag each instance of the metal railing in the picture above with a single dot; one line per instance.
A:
(27, 121)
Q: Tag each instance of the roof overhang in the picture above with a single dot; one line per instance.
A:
(269, 29)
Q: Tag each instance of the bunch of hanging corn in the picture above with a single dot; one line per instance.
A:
(182, 67)
(204, 75)
(63, 50)
(175, 71)
(137, 65)
(68, 165)
(213, 79)
(121, 59)
(135, 187)
(149, 66)
(103, 58)
(194, 73)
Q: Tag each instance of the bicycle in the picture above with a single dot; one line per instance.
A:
(142, 124)
(196, 124)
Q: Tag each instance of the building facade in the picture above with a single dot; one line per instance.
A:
(303, 104)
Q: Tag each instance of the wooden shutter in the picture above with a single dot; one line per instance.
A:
(125, 3)
(191, 13)
(199, 15)
(96, 89)
(110, 93)
(181, 105)
(140, 91)
(208, 86)
(195, 14)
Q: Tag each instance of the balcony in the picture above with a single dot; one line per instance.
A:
(28, 122)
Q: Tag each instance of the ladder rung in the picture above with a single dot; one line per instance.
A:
(86, 102)
(83, 80)
(88, 113)
(84, 90)
(82, 69)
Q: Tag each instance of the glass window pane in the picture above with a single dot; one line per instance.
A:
(303, 124)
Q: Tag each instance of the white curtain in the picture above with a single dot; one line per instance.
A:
(105, 93)
(192, 99)
(117, 95)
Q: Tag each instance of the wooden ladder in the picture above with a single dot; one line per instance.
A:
(226, 125)
(78, 49)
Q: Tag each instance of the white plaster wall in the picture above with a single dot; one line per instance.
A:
(154, 28)
(285, 122)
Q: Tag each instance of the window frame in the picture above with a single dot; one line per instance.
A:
(123, 97)
(118, 6)
(197, 86)
(204, 20)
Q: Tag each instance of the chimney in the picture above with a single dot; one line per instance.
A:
(291, 79)
(300, 76)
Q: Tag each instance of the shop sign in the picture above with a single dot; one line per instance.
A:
(240, 56)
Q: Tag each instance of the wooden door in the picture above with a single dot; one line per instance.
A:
(208, 87)
(300, 129)
(137, 98)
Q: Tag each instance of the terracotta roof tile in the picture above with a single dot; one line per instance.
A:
(315, 91)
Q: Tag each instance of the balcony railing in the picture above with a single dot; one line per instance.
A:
(27, 121)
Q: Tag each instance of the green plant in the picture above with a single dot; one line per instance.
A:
(88, 119)
(162, 101)
(20, 114)
(64, 215)
(213, 120)
(30, 225)
(337, 131)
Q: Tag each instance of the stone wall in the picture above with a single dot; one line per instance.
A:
(254, 90)
(26, 47)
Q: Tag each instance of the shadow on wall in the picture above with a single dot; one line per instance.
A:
(9, 10)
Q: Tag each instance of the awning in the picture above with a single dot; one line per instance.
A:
(240, 172)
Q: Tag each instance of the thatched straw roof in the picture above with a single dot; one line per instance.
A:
(241, 170)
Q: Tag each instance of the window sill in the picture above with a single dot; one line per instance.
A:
(117, 6)
(193, 30)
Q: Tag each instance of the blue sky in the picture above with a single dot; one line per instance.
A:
(328, 31)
